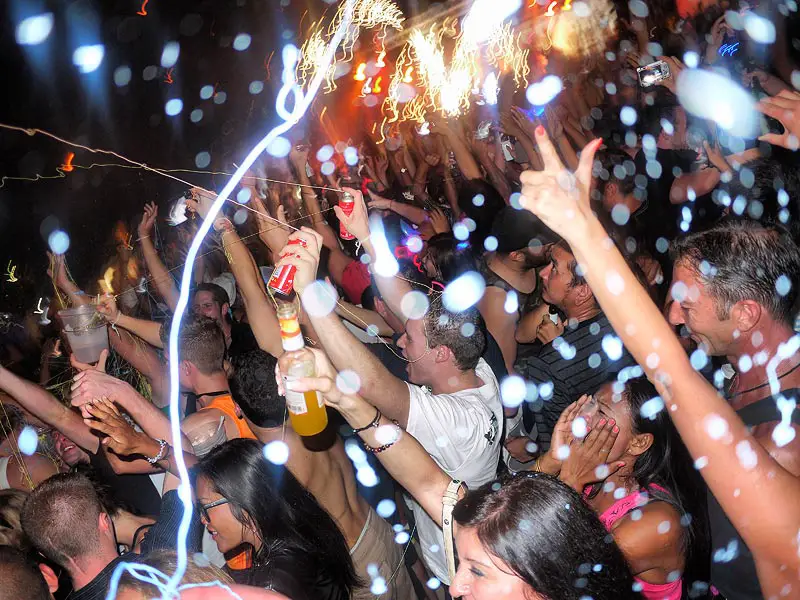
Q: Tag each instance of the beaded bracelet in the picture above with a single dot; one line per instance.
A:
(379, 449)
(162, 450)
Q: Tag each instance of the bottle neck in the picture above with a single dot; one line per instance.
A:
(293, 343)
(291, 335)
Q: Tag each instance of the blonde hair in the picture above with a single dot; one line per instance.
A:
(165, 561)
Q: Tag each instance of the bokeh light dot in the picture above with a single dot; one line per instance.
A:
(196, 115)
(206, 92)
(256, 87)
(241, 42)
(122, 76)
(202, 160)
(58, 242)
(173, 107)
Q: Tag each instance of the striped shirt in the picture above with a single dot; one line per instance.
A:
(574, 364)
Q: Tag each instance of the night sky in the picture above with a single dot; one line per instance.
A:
(43, 89)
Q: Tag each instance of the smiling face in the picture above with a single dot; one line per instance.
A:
(67, 450)
(693, 307)
(224, 528)
(482, 576)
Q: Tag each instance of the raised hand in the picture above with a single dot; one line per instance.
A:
(357, 223)
(433, 160)
(785, 107)
(201, 201)
(303, 255)
(556, 196)
(121, 437)
(107, 306)
(92, 384)
(298, 156)
(587, 460)
(438, 221)
(148, 220)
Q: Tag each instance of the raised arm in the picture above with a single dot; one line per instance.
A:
(466, 161)
(260, 310)
(415, 214)
(158, 272)
(392, 289)
(58, 272)
(405, 460)
(766, 489)
(47, 407)
(149, 331)
(378, 385)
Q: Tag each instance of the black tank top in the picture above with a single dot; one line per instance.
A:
(733, 571)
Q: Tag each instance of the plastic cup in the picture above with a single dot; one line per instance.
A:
(86, 332)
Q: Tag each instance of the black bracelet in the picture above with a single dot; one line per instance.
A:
(374, 422)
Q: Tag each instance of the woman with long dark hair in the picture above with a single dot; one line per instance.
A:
(297, 548)
(517, 538)
(620, 450)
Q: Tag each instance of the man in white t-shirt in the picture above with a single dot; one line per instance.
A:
(452, 405)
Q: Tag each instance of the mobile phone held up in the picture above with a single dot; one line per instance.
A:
(651, 74)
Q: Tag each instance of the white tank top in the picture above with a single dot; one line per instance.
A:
(4, 485)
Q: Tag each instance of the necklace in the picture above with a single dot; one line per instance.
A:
(766, 383)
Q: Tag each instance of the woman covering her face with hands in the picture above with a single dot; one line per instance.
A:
(619, 449)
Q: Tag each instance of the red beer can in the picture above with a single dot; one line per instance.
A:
(346, 204)
(282, 277)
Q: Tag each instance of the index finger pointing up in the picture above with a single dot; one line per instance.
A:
(550, 157)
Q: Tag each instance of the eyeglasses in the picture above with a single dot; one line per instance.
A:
(203, 508)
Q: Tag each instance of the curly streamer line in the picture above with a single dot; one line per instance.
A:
(301, 105)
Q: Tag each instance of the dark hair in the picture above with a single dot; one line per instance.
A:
(484, 214)
(444, 328)
(668, 464)
(201, 342)
(544, 532)
(217, 291)
(771, 193)
(612, 165)
(291, 524)
(21, 578)
(60, 516)
(577, 278)
(255, 390)
(744, 260)
(450, 259)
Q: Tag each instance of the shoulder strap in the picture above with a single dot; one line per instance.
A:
(449, 500)
(766, 410)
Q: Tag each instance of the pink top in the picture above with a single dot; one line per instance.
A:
(620, 508)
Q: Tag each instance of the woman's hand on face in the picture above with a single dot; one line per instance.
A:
(587, 460)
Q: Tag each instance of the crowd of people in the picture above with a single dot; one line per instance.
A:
(527, 354)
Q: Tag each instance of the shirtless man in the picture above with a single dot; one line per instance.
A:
(328, 475)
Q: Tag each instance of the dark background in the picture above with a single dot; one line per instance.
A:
(41, 88)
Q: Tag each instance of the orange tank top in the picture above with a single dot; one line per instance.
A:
(226, 405)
